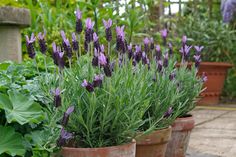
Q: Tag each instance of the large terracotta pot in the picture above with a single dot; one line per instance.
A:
(181, 130)
(126, 150)
(153, 144)
(216, 73)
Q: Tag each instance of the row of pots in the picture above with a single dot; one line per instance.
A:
(168, 142)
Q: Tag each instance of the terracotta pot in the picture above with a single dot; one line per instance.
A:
(216, 73)
(126, 150)
(153, 144)
(181, 130)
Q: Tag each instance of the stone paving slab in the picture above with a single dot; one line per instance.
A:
(214, 134)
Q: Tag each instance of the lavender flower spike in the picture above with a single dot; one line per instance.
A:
(158, 52)
(146, 42)
(64, 137)
(198, 49)
(130, 52)
(170, 49)
(66, 116)
(66, 45)
(89, 30)
(152, 44)
(89, 23)
(159, 65)
(184, 40)
(88, 86)
(165, 62)
(96, 41)
(102, 60)
(57, 97)
(164, 34)
(97, 81)
(197, 59)
(168, 112)
(30, 46)
(108, 25)
(75, 44)
(42, 42)
(79, 25)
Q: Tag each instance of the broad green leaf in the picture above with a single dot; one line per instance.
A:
(11, 142)
(20, 108)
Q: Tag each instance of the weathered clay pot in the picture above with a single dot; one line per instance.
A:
(216, 73)
(126, 150)
(181, 130)
(153, 144)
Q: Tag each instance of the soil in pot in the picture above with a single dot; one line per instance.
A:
(181, 130)
(153, 144)
(126, 150)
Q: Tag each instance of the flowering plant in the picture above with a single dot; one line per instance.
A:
(102, 101)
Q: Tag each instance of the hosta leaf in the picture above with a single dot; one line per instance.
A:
(11, 142)
(20, 108)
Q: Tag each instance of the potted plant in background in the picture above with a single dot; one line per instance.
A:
(190, 85)
(217, 55)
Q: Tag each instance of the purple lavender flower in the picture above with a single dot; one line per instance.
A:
(159, 65)
(75, 44)
(102, 60)
(42, 42)
(146, 42)
(108, 25)
(95, 58)
(168, 112)
(172, 75)
(58, 56)
(145, 59)
(170, 49)
(130, 51)
(198, 49)
(64, 137)
(138, 53)
(102, 48)
(120, 39)
(89, 30)
(88, 86)
(79, 25)
(97, 81)
(66, 115)
(204, 77)
(166, 58)
(158, 52)
(197, 59)
(185, 51)
(152, 46)
(184, 40)
(108, 70)
(96, 41)
(66, 45)
(30, 45)
(57, 97)
(164, 34)
(85, 46)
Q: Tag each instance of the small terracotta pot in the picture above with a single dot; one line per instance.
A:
(181, 130)
(216, 73)
(126, 150)
(153, 144)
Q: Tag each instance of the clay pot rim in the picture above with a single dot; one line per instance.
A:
(218, 64)
(133, 142)
(188, 122)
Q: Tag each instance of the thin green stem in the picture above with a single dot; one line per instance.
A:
(69, 62)
(35, 62)
(79, 44)
(45, 63)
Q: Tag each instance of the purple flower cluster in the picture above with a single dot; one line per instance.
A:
(75, 44)
(89, 30)
(108, 25)
(97, 82)
(58, 55)
(120, 39)
(30, 45)
(42, 42)
(79, 25)
(66, 45)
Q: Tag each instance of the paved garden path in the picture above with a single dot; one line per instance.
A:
(214, 134)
